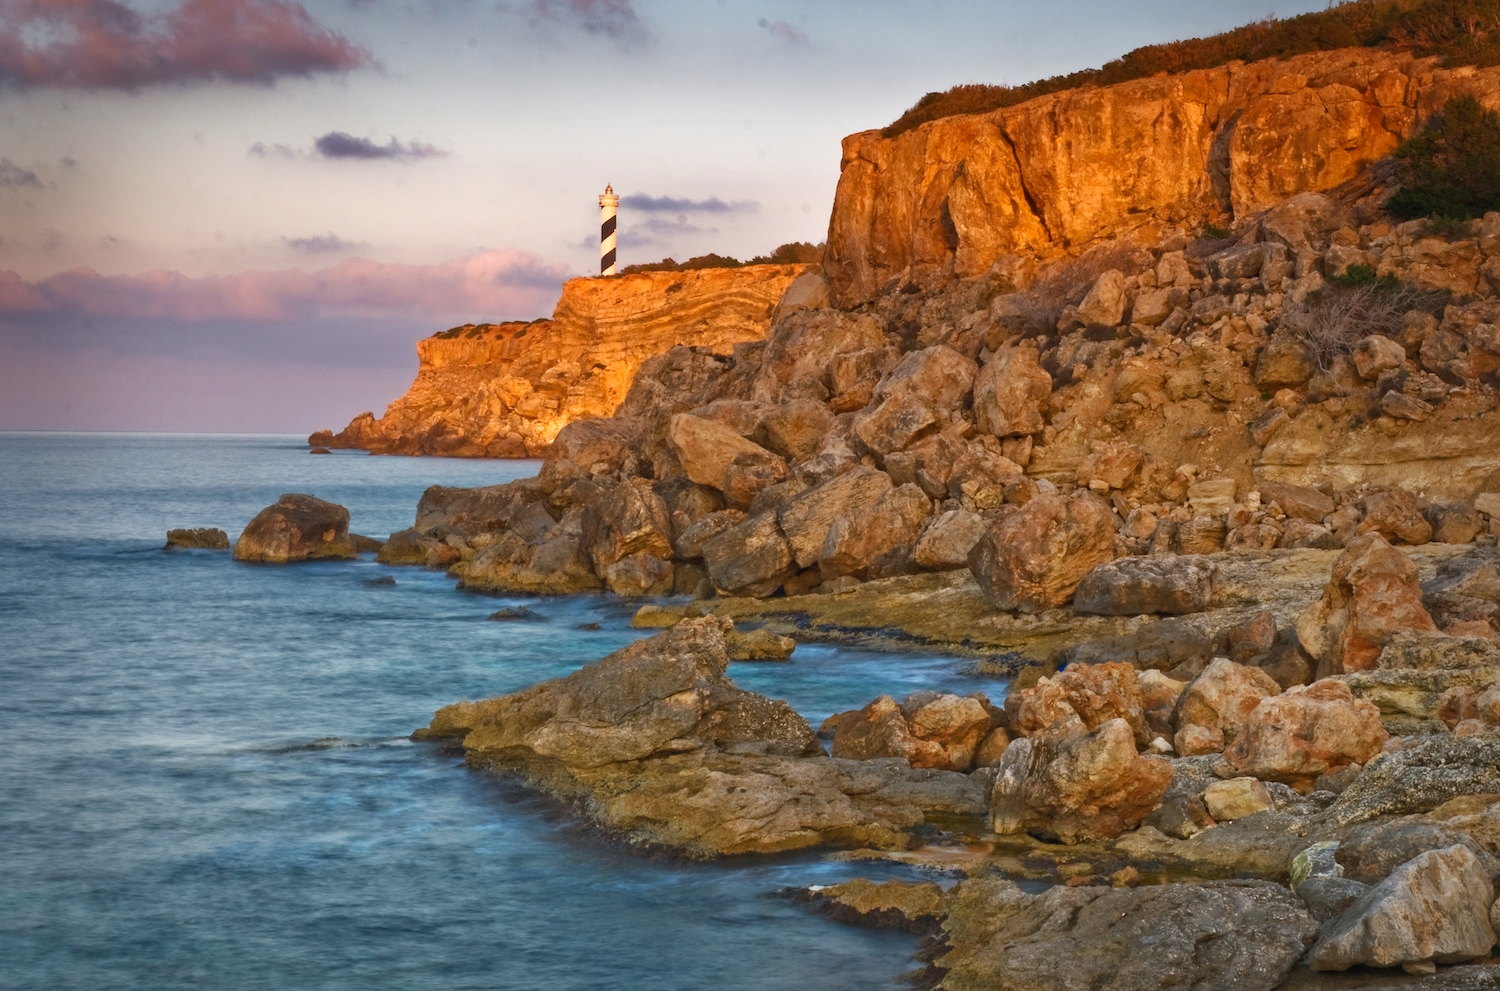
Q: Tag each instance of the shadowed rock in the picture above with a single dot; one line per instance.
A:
(297, 528)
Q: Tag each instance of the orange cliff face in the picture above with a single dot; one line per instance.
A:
(505, 390)
(1053, 175)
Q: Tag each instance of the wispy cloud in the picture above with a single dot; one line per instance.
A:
(674, 204)
(12, 176)
(782, 31)
(337, 144)
(323, 244)
(489, 283)
(615, 19)
(104, 44)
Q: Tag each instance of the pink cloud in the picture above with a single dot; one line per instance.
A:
(104, 44)
(489, 285)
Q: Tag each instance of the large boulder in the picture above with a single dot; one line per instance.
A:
(711, 452)
(1213, 709)
(1301, 502)
(1092, 787)
(947, 541)
(1132, 586)
(1011, 393)
(1215, 936)
(1092, 694)
(555, 565)
(751, 558)
(1434, 909)
(622, 528)
(587, 449)
(1420, 778)
(1305, 732)
(297, 528)
(1373, 594)
(860, 543)
(1396, 516)
(1034, 559)
(941, 732)
(807, 518)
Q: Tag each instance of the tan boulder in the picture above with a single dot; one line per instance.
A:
(1220, 701)
(1092, 787)
(1104, 306)
(807, 518)
(942, 732)
(1011, 393)
(751, 558)
(1397, 517)
(981, 478)
(1376, 354)
(1159, 695)
(1284, 363)
(1033, 559)
(1307, 731)
(708, 449)
(1134, 586)
(587, 449)
(1093, 693)
(1372, 594)
(897, 423)
(631, 519)
(1236, 798)
(795, 430)
(1111, 464)
(555, 565)
(945, 544)
(1302, 502)
(939, 376)
(295, 528)
(861, 541)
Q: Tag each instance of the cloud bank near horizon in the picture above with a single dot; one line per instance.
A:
(104, 44)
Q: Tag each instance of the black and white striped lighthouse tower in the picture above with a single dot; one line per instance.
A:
(608, 204)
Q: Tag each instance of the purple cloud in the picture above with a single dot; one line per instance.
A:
(322, 244)
(782, 31)
(673, 204)
(12, 176)
(616, 19)
(337, 144)
(104, 44)
(491, 284)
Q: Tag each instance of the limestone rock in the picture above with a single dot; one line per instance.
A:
(1420, 778)
(750, 558)
(557, 565)
(1306, 731)
(1159, 695)
(1010, 394)
(1104, 306)
(1376, 354)
(1300, 501)
(201, 538)
(1220, 701)
(1092, 787)
(1034, 559)
(1396, 516)
(1093, 693)
(758, 645)
(631, 519)
(795, 430)
(1133, 586)
(1434, 908)
(586, 449)
(708, 449)
(1372, 595)
(915, 907)
(945, 544)
(807, 518)
(1215, 936)
(941, 732)
(296, 528)
(861, 542)
(1283, 363)
(1236, 798)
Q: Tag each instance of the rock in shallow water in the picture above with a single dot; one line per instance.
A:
(201, 538)
(297, 528)
(655, 742)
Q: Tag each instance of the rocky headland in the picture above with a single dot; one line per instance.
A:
(1139, 394)
(505, 390)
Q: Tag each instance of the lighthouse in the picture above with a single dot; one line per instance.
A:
(608, 204)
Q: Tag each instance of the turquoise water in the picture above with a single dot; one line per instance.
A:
(207, 782)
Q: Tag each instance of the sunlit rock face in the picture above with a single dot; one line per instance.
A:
(1061, 172)
(505, 390)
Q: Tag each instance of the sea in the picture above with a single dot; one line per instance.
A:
(206, 779)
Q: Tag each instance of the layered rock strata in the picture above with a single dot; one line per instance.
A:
(505, 390)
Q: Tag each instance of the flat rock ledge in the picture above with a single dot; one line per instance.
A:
(654, 743)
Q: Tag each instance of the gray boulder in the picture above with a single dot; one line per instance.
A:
(1133, 586)
(1420, 778)
(1218, 936)
(1433, 909)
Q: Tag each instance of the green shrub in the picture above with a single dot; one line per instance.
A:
(794, 253)
(1451, 171)
(1465, 32)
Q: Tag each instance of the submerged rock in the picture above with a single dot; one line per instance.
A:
(297, 528)
(202, 538)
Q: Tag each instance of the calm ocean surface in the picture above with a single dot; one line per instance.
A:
(205, 780)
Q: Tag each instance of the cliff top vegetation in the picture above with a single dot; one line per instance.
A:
(1463, 32)
(793, 253)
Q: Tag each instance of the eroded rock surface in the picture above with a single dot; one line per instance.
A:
(296, 528)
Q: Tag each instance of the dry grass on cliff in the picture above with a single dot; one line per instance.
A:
(1334, 320)
(1465, 32)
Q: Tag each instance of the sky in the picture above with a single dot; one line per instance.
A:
(240, 215)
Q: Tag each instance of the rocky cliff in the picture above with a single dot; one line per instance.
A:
(505, 390)
(1057, 174)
